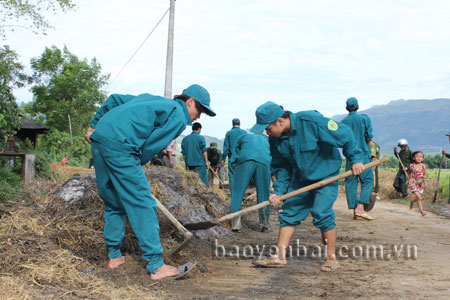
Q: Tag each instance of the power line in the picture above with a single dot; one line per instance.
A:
(138, 48)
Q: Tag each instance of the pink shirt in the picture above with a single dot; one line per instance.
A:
(172, 147)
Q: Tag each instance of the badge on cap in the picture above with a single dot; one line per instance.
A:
(332, 125)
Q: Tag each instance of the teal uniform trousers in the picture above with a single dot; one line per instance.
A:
(362, 130)
(125, 191)
(252, 157)
(307, 155)
(228, 147)
(129, 131)
(261, 175)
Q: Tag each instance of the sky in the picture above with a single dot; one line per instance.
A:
(300, 54)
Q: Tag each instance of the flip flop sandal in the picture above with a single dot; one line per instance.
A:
(185, 269)
(363, 216)
(268, 263)
(332, 264)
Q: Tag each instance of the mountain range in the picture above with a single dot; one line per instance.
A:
(423, 123)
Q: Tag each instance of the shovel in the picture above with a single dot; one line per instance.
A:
(217, 175)
(208, 224)
(403, 167)
(187, 234)
(437, 187)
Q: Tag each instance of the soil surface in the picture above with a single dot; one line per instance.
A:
(415, 263)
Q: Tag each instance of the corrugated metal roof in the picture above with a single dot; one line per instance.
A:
(28, 124)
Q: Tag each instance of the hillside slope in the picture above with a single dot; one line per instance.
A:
(423, 123)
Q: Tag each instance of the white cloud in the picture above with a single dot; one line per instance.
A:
(303, 54)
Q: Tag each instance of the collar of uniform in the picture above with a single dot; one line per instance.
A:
(186, 112)
(194, 132)
(352, 113)
(293, 124)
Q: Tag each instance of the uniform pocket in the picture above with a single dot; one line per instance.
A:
(309, 152)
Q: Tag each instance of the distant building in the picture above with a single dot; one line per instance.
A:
(30, 130)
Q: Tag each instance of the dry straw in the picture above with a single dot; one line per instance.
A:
(52, 250)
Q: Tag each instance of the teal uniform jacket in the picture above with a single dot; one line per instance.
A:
(308, 155)
(228, 146)
(143, 125)
(362, 131)
(252, 159)
(251, 147)
(129, 131)
(192, 147)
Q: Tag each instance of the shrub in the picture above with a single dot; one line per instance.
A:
(11, 187)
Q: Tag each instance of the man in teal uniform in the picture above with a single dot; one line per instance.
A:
(362, 131)
(215, 163)
(228, 146)
(405, 160)
(126, 132)
(193, 148)
(252, 159)
(304, 146)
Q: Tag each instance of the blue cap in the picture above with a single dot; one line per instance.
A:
(201, 95)
(265, 114)
(352, 103)
(236, 121)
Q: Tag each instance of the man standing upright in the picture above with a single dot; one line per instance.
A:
(193, 148)
(228, 146)
(362, 130)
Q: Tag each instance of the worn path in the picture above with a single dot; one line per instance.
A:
(396, 275)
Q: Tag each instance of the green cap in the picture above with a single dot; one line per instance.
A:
(213, 145)
(352, 103)
(201, 95)
(265, 114)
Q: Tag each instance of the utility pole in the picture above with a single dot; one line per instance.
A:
(70, 128)
(169, 60)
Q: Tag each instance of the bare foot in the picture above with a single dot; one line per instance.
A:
(276, 259)
(411, 205)
(271, 262)
(115, 262)
(358, 210)
(423, 213)
(164, 271)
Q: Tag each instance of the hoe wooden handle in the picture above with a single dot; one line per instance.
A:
(300, 191)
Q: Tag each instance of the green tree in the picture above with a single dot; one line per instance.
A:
(66, 85)
(11, 76)
(29, 14)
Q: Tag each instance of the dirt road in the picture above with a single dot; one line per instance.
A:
(415, 263)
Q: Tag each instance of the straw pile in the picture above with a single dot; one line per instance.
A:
(68, 171)
(54, 249)
(51, 250)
